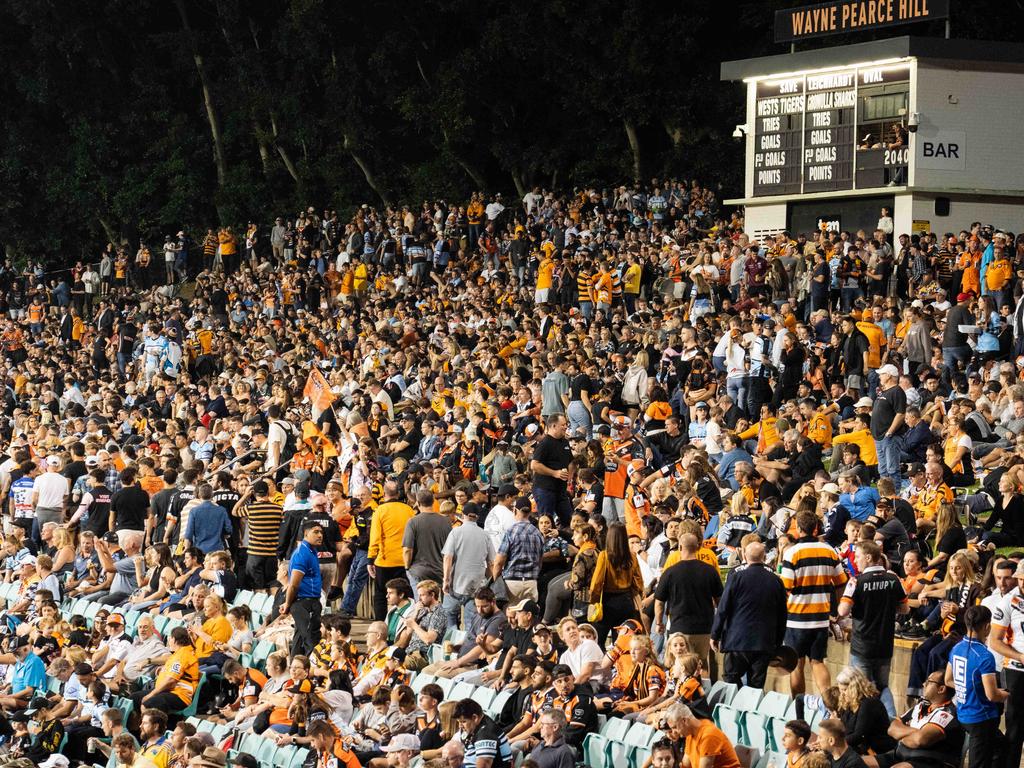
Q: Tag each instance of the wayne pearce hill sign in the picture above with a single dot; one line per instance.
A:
(834, 18)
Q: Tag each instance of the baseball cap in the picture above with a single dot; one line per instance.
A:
(396, 653)
(507, 489)
(471, 508)
(631, 626)
(701, 404)
(403, 741)
(115, 618)
(915, 469)
(527, 605)
(53, 461)
(37, 703)
(92, 461)
(864, 402)
(830, 488)
(303, 686)
(889, 370)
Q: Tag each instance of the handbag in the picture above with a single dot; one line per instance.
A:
(596, 611)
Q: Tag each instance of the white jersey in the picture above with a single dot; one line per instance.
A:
(1008, 619)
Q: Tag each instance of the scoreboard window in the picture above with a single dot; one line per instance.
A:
(882, 139)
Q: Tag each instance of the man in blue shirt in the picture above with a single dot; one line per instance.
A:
(971, 670)
(29, 674)
(733, 455)
(208, 524)
(302, 596)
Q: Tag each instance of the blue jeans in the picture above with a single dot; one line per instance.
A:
(556, 504)
(357, 578)
(459, 607)
(579, 417)
(889, 450)
(951, 355)
(736, 387)
(877, 671)
(848, 296)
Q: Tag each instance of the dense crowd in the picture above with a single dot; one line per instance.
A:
(590, 453)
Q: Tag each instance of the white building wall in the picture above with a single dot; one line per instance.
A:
(1002, 213)
(981, 111)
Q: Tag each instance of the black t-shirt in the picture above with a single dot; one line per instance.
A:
(131, 507)
(554, 454)
(219, 302)
(328, 550)
(126, 338)
(581, 383)
(98, 522)
(952, 541)
(888, 405)
(877, 596)
(689, 590)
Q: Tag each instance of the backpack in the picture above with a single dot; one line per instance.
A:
(290, 441)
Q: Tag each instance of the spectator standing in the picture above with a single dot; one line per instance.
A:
(874, 598)
(263, 522)
(423, 541)
(812, 573)
(750, 621)
(1007, 639)
(887, 415)
(209, 525)
(617, 584)
(687, 593)
(302, 594)
(551, 463)
(971, 672)
(468, 555)
(387, 529)
(49, 494)
(519, 557)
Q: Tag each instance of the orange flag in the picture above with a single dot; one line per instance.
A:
(318, 392)
(317, 440)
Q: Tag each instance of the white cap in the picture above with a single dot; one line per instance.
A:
(889, 370)
(864, 402)
(53, 461)
(402, 741)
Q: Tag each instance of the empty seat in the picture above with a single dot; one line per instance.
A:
(460, 691)
(776, 726)
(617, 753)
(483, 696)
(730, 722)
(498, 703)
(640, 735)
(721, 693)
(639, 756)
(755, 731)
(594, 750)
(747, 699)
(615, 729)
(774, 704)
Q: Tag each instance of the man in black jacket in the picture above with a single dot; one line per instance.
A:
(751, 619)
(855, 355)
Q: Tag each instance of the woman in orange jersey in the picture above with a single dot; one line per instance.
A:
(177, 680)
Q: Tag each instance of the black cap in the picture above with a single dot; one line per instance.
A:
(37, 703)
(915, 469)
(471, 508)
(507, 490)
(19, 717)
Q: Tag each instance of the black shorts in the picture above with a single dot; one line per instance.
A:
(261, 570)
(808, 643)
(889, 759)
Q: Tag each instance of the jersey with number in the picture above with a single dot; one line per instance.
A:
(1008, 621)
(21, 493)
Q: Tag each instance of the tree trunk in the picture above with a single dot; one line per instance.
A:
(108, 229)
(472, 171)
(211, 112)
(517, 179)
(554, 179)
(371, 180)
(634, 145)
(261, 143)
(675, 133)
(288, 164)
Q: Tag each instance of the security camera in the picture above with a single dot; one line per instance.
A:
(914, 122)
(739, 132)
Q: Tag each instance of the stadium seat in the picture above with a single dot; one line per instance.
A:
(483, 696)
(205, 726)
(615, 729)
(498, 703)
(776, 726)
(299, 759)
(640, 735)
(266, 753)
(220, 732)
(90, 613)
(639, 756)
(436, 653)
(617, 753)
(420, 681)
(594, 750)
(730, 722)
(460, 691)
(446, 685)
(774, 704)
(244, 597)
(284, 755)
(815, 720)
(126, 705)
(722, 693)
(260, 652)
(160, 624)
(747, 699)
(755, 731)
(191, 708)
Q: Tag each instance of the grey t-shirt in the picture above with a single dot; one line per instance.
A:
(553, 386)
(124, 576)
(425, 535)
(492, 626)
(472, 550)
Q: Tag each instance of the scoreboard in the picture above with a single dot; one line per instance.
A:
(830, 131)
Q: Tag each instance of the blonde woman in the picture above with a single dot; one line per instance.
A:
(644, 685)
(960, 590)
(64, 550)
(676, 648)
(863, 713)
(950, 537)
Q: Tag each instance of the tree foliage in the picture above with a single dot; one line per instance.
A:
(130, 118)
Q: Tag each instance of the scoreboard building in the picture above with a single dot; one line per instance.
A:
(926, 127)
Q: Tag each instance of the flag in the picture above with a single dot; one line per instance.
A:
(317, 441)
(318, 392)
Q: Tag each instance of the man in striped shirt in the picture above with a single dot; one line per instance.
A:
(264, 525)
(812, 574)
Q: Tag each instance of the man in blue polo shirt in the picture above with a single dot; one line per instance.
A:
(29, 674)
(302, 597)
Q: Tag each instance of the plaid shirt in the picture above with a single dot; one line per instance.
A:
(523, 546)
(114, 480)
